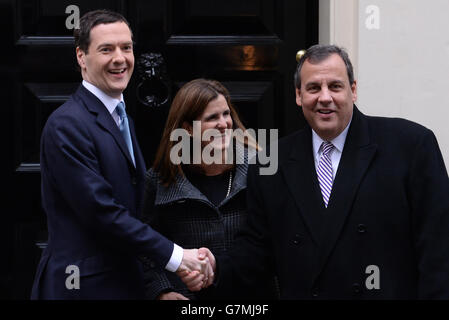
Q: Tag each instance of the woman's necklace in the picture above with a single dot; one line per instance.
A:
(230, 184)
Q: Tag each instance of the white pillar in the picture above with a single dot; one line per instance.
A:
(338, 24)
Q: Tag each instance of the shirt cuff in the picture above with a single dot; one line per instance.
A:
(175, 259)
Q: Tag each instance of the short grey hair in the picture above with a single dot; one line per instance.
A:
(317, 53)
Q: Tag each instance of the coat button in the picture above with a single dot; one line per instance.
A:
(133, 181)
(356, 288)
(297, 239)
(315, 292)
(361, 228)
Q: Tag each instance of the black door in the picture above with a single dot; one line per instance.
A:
(249, 45)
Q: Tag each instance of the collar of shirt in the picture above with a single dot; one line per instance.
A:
(109, 102)
(338, 142)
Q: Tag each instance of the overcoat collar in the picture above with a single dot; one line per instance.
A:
(182, 189)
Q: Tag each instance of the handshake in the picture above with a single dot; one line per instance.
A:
(197, 268)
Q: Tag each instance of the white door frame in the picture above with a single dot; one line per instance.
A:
(338, 24)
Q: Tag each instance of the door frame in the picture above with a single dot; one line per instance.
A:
(339, 24)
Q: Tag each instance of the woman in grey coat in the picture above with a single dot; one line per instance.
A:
(196, 190)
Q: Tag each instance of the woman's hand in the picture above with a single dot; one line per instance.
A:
(171, 296)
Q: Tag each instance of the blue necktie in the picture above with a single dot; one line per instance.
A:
(124, 128)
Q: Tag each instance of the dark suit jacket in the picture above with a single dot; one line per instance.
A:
(389, 208)
(92, 195)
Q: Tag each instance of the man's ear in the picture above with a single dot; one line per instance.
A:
(80, 56)
(298, 97)
(354, 91)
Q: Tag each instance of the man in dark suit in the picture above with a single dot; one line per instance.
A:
(359, 208)
(93, 180)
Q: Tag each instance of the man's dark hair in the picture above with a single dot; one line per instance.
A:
(317, 53)
(90, 20)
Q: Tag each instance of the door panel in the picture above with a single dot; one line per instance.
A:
(250, 46)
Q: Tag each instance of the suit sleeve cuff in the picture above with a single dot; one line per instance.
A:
(175, 259)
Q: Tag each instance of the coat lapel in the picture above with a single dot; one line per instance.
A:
(105, 120)
(357, 155)
(183, 189)
(300, 175)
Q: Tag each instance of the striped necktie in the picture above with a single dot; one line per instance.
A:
(124, 128)
(324, 171)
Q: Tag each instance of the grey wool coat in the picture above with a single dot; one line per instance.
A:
(184, 215)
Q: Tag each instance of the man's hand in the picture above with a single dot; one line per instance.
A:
(191, 262)
(196, 280)
(206, 254)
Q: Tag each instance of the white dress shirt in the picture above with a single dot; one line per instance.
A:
(110, 104)
(338, 142)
